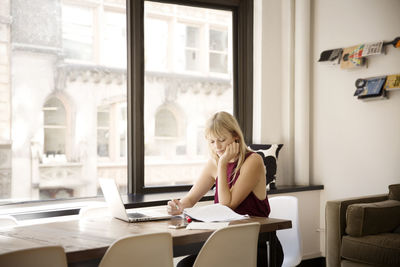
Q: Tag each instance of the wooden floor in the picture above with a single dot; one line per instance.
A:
(317, 262)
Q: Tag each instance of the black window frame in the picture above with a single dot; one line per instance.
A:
(242, 23)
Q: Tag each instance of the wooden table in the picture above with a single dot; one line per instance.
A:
(88, 239)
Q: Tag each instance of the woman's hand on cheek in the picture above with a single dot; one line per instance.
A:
(231, 152)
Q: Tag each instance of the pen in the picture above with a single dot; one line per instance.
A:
(176, 205)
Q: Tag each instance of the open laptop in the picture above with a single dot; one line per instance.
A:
(117, 208)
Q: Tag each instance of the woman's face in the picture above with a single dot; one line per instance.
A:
(218, 144)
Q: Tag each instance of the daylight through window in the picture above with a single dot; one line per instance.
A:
(188, 77)
(66, 125)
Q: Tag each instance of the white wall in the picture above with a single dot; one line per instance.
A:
(354, 145)
(269, 107)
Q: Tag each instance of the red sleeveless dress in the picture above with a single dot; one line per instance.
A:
(251, 205)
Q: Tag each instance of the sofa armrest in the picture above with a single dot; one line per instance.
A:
(335, 224)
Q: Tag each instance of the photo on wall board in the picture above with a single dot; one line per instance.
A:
(371, 88)
(352, 57)
(372, 49)
(332, 56)
(392, 82)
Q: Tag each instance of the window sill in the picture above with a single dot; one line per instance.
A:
(55, 208)
(294, 188)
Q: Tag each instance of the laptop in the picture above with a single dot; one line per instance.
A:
(117, 208)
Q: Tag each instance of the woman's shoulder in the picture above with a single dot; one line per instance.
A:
(211, 166)
(253, 155)
(211, 162)
(253, 158)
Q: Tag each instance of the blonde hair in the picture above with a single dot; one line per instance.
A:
(217, 126)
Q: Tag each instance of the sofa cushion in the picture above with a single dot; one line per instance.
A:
(394, 192)
(372, 218)
(378, 250)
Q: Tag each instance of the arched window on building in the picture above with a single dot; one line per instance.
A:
(54, 127)
(166, 124)
(112, 131)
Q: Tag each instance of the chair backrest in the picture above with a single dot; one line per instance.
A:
(47, 256)
(150, 250)
(7, 220)
(286, 207)
(234, 246)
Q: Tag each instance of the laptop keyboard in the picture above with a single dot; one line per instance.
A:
(136, 215)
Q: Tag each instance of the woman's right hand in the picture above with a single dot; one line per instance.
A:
(174, 207)
(231, 153)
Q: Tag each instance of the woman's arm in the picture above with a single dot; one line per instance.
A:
(251, 172)
(203, 184)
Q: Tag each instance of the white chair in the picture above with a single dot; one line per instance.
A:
(7, 220)
(149, 250)
(234, 246)
(286, 207)
(47, 256)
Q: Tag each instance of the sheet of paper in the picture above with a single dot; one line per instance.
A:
(213, 213)
(206, 225)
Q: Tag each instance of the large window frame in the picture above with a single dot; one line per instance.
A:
(242, 11)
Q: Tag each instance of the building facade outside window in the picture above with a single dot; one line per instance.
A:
(192, 47)
(66, 123)
(54, 125)
(218, 47)
(185, 86)
(78, 32)
(103, 132)
(67, 71)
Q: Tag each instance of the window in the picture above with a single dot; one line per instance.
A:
(66, 96)
(166, 124)
(199, 63)
(72, 98)
(103, 132)
(180, 101)
(54, 128)
(112, 132)
(192, 47)
(122, 131)
(218, 51)
(94, 33)
(78, 32)
(114, 39)
(156, 54)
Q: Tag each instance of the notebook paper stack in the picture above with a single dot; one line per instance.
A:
(212, 216)
(213, 213)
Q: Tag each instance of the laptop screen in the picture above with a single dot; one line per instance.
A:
(113, 198)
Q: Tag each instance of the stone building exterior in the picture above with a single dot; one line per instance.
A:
(5, 99)
(63, 115)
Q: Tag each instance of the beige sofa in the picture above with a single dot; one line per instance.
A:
(364, 231)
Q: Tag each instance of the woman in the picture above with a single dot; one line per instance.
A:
(237, 173)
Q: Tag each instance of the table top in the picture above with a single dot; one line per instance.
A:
(87, 239)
